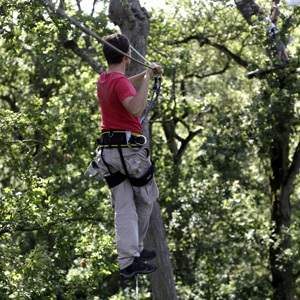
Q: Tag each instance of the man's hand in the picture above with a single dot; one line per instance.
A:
(154, 70)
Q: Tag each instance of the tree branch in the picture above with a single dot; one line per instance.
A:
(185, 143)
(262, 73)
(203, 40)
(11, 103)
(228, 53)
(293, 171)
(85, 56)
(209, 74)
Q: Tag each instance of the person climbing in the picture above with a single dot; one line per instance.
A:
(123, 157)
(274, 35)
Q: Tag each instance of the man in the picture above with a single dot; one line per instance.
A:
(128, 168)
(274, 34)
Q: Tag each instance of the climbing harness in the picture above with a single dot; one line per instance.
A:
(115, 178)
(138, 181)
(121, 139)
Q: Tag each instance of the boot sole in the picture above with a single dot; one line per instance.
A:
(130, 276)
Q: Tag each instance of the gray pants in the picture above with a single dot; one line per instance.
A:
(133, 205)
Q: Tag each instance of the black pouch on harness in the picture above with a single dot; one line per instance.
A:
(143, 180)
(115, 179)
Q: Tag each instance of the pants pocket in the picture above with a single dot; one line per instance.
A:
(147, 193)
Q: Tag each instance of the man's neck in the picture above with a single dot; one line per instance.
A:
(120, 68)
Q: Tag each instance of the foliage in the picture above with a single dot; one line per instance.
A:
(54, 216)
(56, 226)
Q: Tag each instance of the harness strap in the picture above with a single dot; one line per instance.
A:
(121, 138)
(140, 181)
(114, 179)
(106, 164)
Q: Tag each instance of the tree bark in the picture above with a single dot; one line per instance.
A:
(247, 8)
(282, 276)
(283, 174)
(162, 280)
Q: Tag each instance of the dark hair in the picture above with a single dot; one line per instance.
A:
(121, 42)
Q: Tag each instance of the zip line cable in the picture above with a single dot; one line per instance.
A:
(140, 55)
(60, 12)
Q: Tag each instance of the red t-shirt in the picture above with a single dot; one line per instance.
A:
(112, 89)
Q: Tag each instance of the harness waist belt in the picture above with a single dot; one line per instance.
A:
(123, 139)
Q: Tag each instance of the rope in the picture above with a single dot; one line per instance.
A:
(137, 287)
(140, 55)
(60, 12)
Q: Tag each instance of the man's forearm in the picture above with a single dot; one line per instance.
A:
(137, 104)
(137, 78)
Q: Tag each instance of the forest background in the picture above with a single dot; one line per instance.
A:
(224, 136)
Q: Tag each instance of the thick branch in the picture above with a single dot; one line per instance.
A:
(217, 72)
(228, 53)
(262, 73)
(185, 143)
(11, 103)
(203, 40)
(85, 56)
(293, 171)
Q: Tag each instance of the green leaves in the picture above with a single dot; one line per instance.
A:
(211, 133)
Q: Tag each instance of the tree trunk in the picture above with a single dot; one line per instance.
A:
(282, 179)
(247, 8)
(282, 277)
(134, 23)
(162, 280)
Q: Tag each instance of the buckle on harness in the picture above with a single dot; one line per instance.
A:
(140, 140)
(137, 139)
